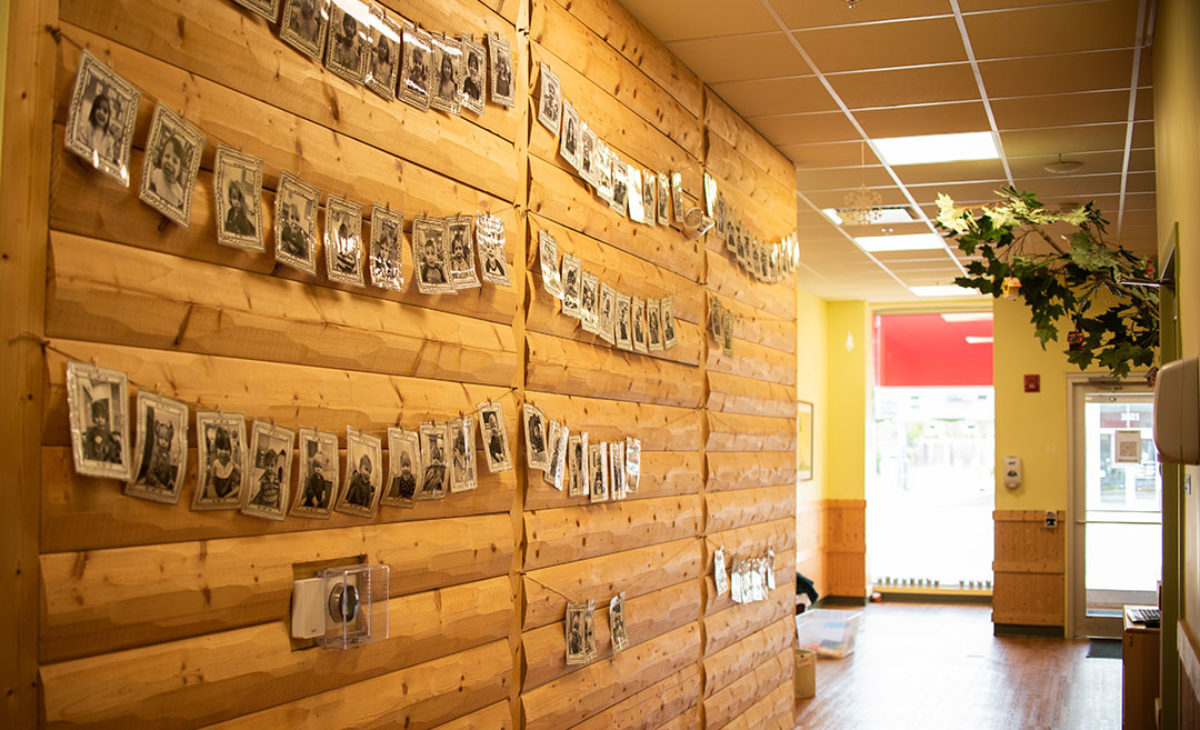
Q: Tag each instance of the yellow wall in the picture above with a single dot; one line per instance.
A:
(812, 384)
(848, 339)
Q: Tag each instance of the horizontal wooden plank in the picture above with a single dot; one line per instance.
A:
(290, 394)
(119, 294)
(421, 696)
(88, 204)
(754, 361)
(735, 623)
(498, 716)
(660, 428)
(637, 572)
(104, 600)
(776, 300)
(785, 574)
(768, 224)
(722, 668)
(646, 617)
(733, 470)
(689, 719)
(734, 170)
(575, 368)
(775, 711)
(752, 325)
(736, 394)
(554, 28)
(721, 120)
(738, 432)
(752, 541)
(655, 706)
(157, 686)
(633, 138)
(557, 195)
(88, 513)
(599, 685)
(211, 41)
(730, 702)
(740, 508)
(575, 533)
(664, 474)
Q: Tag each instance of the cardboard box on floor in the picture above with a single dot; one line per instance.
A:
(805, 674)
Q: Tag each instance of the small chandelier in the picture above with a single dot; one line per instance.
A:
(862, 205)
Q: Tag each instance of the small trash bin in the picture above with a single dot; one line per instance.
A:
(805, 674)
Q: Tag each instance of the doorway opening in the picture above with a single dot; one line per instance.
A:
(931, 485)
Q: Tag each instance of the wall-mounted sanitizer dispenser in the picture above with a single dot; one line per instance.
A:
(342, 607)
(1177, 412)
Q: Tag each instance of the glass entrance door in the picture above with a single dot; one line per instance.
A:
(1117, 507)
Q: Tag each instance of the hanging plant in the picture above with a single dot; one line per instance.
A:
(1100, 287)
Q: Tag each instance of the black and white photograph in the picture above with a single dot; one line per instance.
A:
(417, 71)
(343, 241)
(559, 446)
(589, 302)
(495, 437)
(489, 242)
(317, 481)
(537, 451)
(608, 307)
(474, 80)
(431, 259)
(98, 399)
(162, 426)
(577, 466)
(568, 141)
(386, 260)
(650, 196)
(447, 88)
(638, 210)
(463, 274)
(621, 329)
(222, 457)
(435, 472)
(101, 117)
(500, 70)
(654, 325)
(296, 205)
(581, 632)
(553, 428)
(268, 9)
(364, 475)
(267, 487)
(383, 54)
(677, 195)
(727, 331)
(461, 434)
(668, 322)
(548, 255)
(714, 316)
(616, 468)
(633, 464)
(549, 100)
(587, 154)
(620, 200)
(602, 170)
(237, 191)
(404, 457)
(664, 199)
(638, 315)
(572, 283)
(736, 592)
(720, 577)
(598, 471)
(173, 152)
(347, 53)
(616, 623)
(304, 26)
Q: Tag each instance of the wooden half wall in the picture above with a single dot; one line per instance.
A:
(136, 614)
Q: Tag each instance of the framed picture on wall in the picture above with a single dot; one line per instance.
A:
(101, 118)
(304, 25)
(804, 441)
(346, 53)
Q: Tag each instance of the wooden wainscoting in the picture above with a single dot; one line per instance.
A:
(845, 547)
(1030, 569)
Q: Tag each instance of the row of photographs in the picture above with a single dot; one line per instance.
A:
(624, 321)
(749, 580)
(253, 472)
(580, 628)
(447, 256)
(604, 471)
(397, 59)
(766, 262)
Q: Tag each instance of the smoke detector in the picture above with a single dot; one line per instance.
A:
(1063, 167)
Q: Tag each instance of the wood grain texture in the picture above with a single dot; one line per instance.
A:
(660, 705)
(690, 718)
(744, 507)
(1029, 586)
(772, 712)
(755, 192)
(726, 278)
(734, 470)
(498, 716)
(755, 361)
(557, 535)
(771, 332)
(735, 623)
(737, 394)
(660, 428)
(105, 600)
(722, 121)
(223, 675)
(664, 474)
(737, 432)
(637, 572)
(758, 682)
(722, 668)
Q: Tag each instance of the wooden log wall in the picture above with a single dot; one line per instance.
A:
(137, 614)
(1029, 570)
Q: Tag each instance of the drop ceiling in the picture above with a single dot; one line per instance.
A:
(822, 80)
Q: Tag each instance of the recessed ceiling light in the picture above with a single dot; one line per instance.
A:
(927, 148)
(832, 214)
(942, 291)
(973, 340)
(904, 242)
(957, 317)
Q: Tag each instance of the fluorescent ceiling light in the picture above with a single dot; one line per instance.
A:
(972, 340)
(957, 317)
(832, 214)
(927, 148)
(883, 215)
(950, 290)
(902, 242)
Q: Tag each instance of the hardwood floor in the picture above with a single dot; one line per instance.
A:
(938, 666)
